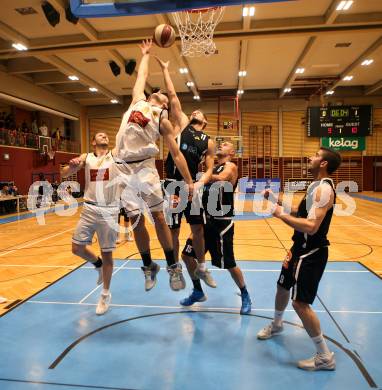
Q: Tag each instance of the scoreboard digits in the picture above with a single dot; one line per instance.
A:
(337, 121)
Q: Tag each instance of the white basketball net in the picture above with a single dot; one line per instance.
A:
(196, 30)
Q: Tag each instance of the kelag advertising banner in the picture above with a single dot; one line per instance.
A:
(344, 143)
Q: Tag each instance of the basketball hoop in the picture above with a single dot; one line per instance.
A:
(196, 29)
(51, 154)
(47, 154)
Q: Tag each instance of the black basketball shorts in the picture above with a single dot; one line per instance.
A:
(302, 272)
(218, 239)
(193, 211)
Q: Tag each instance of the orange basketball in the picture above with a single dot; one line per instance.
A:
(164, 35)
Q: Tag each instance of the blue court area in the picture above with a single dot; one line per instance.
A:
(147, 341)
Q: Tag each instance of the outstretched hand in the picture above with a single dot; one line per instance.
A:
(74, 162)
(163, 65)
(146, 46)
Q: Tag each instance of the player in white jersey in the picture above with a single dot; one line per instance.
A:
(136, 148)
(100, 212)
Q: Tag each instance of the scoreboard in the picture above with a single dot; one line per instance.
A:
(337, 121)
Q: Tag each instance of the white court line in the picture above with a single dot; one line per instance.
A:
(195, 308)
(95, 289)
(346, 225)
(164, 268)
(366, 220)
(266, 270)
(35, 242)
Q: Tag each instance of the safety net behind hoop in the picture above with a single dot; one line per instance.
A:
(196, 29)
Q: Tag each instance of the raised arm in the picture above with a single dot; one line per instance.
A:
(208, 163)
(143, 71)
(75, 164)
(176, 108)
(167, 132)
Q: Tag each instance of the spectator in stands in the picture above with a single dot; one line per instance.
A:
(13, 190)
(7, 204)
(12, 205)
(44, 130)
(56, 134)
(34, 127)
(10, 123)
(5, 191)
(24, 127)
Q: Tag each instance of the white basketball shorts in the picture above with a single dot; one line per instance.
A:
(100, 220)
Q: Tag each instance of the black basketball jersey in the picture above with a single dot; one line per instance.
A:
(225, 198)
(304, 241)
(193, 144)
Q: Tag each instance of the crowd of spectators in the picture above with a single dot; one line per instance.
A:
(26, 134)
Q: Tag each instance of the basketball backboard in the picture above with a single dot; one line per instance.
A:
(105, 8)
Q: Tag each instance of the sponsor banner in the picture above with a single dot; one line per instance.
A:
(297, 184)
(344, 143)
(247, 184)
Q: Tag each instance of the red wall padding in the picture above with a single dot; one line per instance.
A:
(23, 163)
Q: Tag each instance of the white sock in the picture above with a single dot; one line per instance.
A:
(320, 344)
(278, 319)
(105, 291)
(202, 266)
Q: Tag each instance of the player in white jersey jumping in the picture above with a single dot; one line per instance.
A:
(135, 152)
(100, 212)
(197, 147)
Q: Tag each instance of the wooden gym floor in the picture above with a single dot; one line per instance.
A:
(33, 256)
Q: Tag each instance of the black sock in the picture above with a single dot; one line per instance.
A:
(244, 290)
(170, 257)
(98, 263)
(146, 258)
(197, 284)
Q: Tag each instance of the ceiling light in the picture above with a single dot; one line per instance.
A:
(114, 101)
(300, 70)
(348, 78)
(92, 89)
(344, 5)
(348, 5)
(190, 84)
(245, 11)
(240, 91)
(183, 70)
(287, 90)
(73, 78)
(251, 11)
(196, 97)
(242, 73)
(19, 46)
(367, 62)
(330, 92)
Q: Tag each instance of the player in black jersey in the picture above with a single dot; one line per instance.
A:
(218, 203)
(305, 263)
(197, 147)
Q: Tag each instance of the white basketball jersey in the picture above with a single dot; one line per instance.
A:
(139, 131)
(101, 183)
